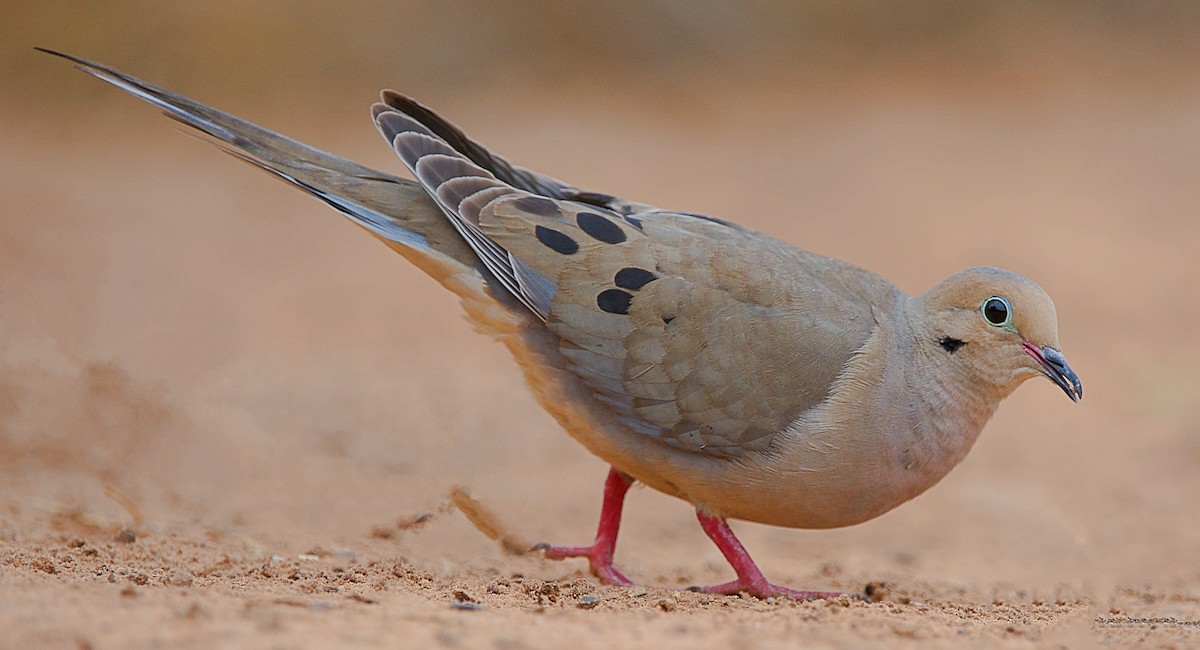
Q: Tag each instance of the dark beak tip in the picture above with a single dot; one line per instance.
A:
(1070, 384)
(1056, 368)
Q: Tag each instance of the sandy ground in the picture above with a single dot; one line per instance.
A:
(225, 413)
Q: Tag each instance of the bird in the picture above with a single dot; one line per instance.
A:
(713, 363)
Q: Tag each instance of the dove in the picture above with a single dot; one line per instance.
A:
(713, 363)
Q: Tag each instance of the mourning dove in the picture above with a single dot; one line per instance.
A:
(709, 361)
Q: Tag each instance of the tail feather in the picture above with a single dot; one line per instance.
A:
(396, 210)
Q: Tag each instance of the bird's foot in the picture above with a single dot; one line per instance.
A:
(598, 555)
(768, 590)
(750, 579)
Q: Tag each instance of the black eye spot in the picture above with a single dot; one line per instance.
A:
(633, 278)
(614, 301)
(600, 228)
(996, 310)
(556, 240)
(951, 345)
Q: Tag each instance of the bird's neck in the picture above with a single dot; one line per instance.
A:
(947, 415)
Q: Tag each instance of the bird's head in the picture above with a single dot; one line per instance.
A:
(997, 327)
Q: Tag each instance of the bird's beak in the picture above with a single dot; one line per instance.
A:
(1054, 364)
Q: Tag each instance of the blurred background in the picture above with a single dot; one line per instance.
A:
(232, 356)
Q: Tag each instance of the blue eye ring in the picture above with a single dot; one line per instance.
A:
(997, 311)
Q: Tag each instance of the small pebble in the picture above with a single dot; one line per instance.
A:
(180, 578)
(588, 601)
(877, 591)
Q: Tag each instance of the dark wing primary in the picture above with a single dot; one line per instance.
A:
(514, 175)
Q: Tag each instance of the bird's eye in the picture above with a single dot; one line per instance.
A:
(997, 311)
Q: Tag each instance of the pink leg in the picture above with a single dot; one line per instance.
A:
(750, 579)
(600, 553)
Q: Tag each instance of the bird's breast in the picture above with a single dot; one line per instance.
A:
(882, 437)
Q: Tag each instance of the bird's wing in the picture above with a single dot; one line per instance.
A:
(700, 333)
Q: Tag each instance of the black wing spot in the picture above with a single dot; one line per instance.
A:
(635, 222)
(951, 345)
(633, 278)
(614, 301)
(555, 240)
(542, 207)
(600, 228)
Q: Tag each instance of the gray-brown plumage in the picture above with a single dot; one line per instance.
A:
(752, 379)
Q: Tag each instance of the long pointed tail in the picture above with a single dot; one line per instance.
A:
(393, 209)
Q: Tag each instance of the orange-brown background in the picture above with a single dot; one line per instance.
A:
(261, 379)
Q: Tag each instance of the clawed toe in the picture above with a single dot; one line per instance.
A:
(599, 559)
(600, 552)
(750, 580)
